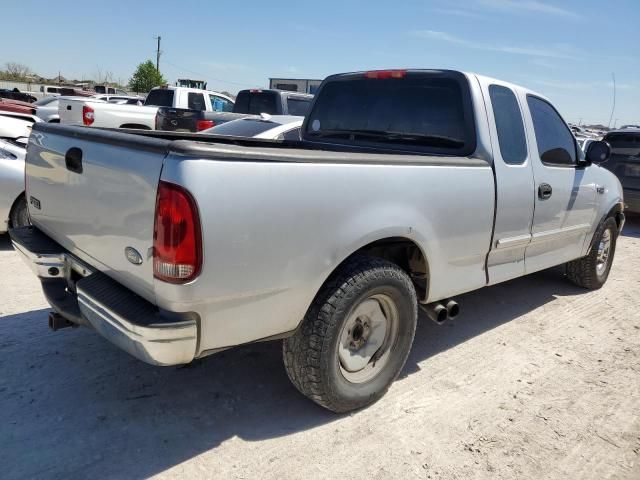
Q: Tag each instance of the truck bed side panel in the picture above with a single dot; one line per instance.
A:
(274, 231)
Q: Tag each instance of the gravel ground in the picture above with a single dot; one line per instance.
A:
(536, 379)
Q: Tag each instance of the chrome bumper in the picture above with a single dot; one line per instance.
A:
(92, 298)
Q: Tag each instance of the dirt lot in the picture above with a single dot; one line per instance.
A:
(536, 379)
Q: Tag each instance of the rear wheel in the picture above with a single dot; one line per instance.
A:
(19, 216)
(356, 336)
(593, 270)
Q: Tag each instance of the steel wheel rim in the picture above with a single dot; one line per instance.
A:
(604, 249)
(367, 338)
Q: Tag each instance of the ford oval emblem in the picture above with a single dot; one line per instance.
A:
(133, 255)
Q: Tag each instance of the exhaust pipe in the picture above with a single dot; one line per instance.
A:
(57, 321)
(436, 312)
(453, 309)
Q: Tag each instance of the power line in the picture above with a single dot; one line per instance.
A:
(209, 77)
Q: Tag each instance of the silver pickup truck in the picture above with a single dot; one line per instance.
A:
(409, 187)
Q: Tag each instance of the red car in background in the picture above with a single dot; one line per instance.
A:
(16, 106)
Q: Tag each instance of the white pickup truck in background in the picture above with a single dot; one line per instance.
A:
(96, 113)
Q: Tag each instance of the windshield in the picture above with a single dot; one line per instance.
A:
(45, 101)
(624, 145)
(245, 127)
(425, 111)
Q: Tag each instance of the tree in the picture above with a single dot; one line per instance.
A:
(17, 71)
(146, 77)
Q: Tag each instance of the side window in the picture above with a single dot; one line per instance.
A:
(195, 101)
(293, 134)
(556, 144)
(511, 137)
(219, 104)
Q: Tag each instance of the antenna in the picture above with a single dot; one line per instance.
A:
(613, 108)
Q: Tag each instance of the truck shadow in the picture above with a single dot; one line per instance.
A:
(632, 226)
(5, 242)
(70, 402)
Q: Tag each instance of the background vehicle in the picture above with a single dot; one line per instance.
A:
(276, 127)
(16, 127)
(103, 89)
(332, 242)
(16, 106)
(625, 163)
(13, 206)
(48, 108)
(248, 102)
(17, 95)
(97, 114)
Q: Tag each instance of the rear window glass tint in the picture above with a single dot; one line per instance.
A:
(195, 101)
(242, 128)
(298, 106)
(257, 103)
(160, 98)
(422, 111)
(623, 140)
(511, 137)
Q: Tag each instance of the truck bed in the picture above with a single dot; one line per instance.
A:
(222, 147)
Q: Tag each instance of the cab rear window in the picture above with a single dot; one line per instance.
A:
(257, 102)
(401, 110)
(160, 98)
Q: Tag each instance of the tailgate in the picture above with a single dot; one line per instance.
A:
(177, 119)
(70, 111)
(94, 192)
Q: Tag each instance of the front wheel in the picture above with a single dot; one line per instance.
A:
(593, 270)
(355, 337)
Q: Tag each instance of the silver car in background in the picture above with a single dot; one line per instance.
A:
(13, 206)
(272, 127)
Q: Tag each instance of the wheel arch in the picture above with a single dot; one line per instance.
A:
(617, 213)
(405, 252)
(13, 206)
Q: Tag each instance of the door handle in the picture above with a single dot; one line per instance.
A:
(544, 191)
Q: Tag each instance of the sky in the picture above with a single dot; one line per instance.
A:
(566, 50)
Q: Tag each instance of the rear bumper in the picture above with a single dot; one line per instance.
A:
(87, 297)
(632, 200)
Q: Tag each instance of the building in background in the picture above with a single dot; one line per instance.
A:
(295, 84)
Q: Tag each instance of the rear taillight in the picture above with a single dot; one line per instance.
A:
(204, 124)
(383, 74)
(87, 115)
(177, 240)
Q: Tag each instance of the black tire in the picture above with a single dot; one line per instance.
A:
(311, 355)
(585, 271)
(19, 216)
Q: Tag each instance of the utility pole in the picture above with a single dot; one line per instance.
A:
(158, 54)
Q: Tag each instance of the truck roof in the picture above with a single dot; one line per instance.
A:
(189, 89)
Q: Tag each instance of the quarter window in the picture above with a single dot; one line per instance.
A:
(511, 137)
(556, 144)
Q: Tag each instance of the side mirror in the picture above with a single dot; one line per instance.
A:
(598, 152)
